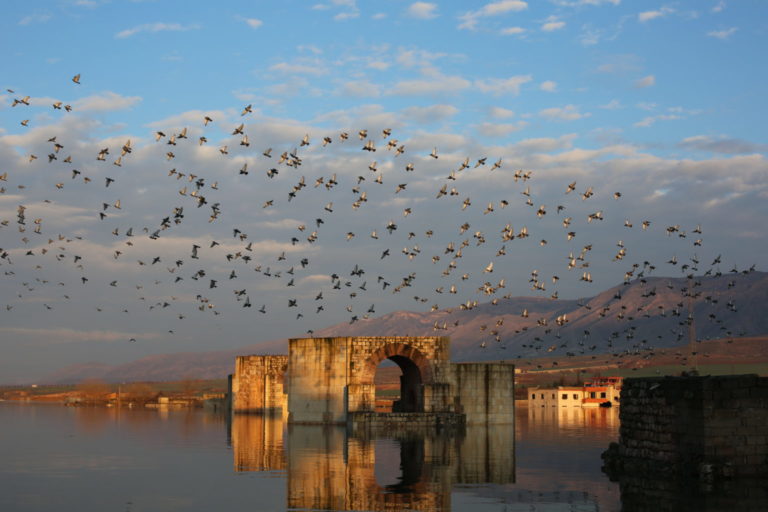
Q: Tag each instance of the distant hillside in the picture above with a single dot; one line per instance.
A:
(182, 365)
(637, 317)
(641, 315)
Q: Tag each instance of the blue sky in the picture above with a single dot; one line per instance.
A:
(663, 101)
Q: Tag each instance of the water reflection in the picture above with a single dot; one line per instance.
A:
(574, 420)
(81, 459)
(329, 470)
(257, 443)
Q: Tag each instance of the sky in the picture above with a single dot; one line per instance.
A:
(481, 115)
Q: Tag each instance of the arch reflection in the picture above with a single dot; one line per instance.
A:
(330, 470)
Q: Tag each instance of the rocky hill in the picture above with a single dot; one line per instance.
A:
(634, 318)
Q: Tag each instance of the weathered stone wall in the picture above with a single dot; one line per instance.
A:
(705, 426)
(317, 380)
(486, 392)
(257, 384)
(331, 378)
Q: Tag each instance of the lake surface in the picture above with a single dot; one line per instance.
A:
(81, 459)
(56, 458)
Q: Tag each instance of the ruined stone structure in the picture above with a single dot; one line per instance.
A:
(331, 381)
(257, 385)
(701, 427)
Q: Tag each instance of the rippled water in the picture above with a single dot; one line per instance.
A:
(80, 459)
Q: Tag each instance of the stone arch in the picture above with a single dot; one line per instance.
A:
(402, 354)
(331, 380)
(416, 371)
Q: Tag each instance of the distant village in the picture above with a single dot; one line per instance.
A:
(97, 393)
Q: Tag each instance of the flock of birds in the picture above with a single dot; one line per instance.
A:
(257, 276)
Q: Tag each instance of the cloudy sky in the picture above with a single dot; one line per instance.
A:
(654, 109)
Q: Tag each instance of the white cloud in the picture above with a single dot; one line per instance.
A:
(512, 31)
(566, 113)
(155, 27)
(431, 85)
(589, 36)
(651, 120)
(614, 104)
(104, 102)
(721, 144)
(723, 34)
(646, 81)
(470, 19)
(498, 86)
(290, 88)
(414, 58)
(379, 65)
(430, 114)
(552, 23)
(719, 7)
(361, 89)
(253, 22)
(351, 11)
(422, 10)
(494, 8)
(548, 86)
(309, 48)
(372, 116)
(650, 15)
(346, 15)
(499, 129)
(621, 64)
(280, 224)
(544, 144)
(36, 17)
(500, 113)
(299, 69)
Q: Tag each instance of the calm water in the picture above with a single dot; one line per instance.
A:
(82, 459)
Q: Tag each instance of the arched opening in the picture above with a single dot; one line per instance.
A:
(398, 391)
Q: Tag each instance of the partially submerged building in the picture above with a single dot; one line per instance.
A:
(331, 381)
(594, 393)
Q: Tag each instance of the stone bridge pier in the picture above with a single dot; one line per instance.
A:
(331, 381)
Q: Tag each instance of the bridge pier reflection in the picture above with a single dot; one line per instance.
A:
(330, 470)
